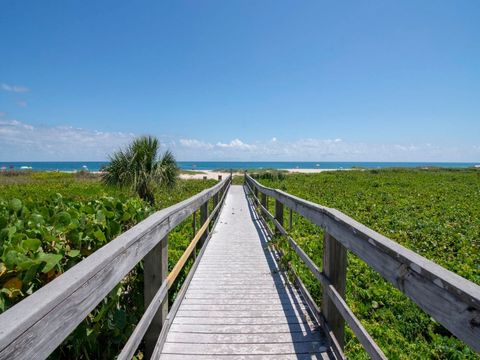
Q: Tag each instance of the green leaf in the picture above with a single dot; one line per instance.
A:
(37, 219)
(3, 222)
(11, 231)
(14, 259)
(99, 235)
(15, 205)
(120, 319)
(100, 216)
(114, 227)
(63, 218)
(50, 260)
(31, 244)
(73, 253)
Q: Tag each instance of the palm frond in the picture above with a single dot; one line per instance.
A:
(167, 169)
(138, 167)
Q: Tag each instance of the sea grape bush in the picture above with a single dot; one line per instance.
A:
(435, 213)
(40, 240)
(50, 222)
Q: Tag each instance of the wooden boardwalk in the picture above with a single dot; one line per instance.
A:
(238, 304)
(235, 303)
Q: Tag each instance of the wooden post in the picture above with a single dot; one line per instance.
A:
(203, 218)
(215, 200)
(194, 227)
(194, 223)
(219, 177)
(255, 190)
(290, 222)
(335, 268)
(204, 177)
(278, 214)
(264, 201)
(155, 271)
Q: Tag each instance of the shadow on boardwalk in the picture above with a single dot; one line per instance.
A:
(302, 328)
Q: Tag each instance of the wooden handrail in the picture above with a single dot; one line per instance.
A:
(450, 299)
(34, 327)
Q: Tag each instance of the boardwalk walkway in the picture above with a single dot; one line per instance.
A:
(235, 303)
(238, 305)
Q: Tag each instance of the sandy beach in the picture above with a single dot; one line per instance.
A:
(212, 174)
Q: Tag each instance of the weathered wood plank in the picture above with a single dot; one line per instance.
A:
(239, 313)
(279, 212)
(155, 269)
(269, 338)
(203, 219)
(274, 327)
(250, 357)
(241, 349)
(292, 319)
(335, 269)
(238, 307)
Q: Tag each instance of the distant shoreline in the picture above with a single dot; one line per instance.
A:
(225, 166)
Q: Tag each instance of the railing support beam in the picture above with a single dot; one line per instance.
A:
(264, 201)
(155, 272)
(335, 268)
(290, 221)
(203, 218)
(278, 214)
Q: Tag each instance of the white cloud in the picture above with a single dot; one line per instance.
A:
(195, 144)
(236, 144)
(22, 103)
(314, 149)
(20, 141)
(15, 88)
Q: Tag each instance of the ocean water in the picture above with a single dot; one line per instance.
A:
(213, 165)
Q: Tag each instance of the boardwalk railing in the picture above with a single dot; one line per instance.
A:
(450, 299)
(33, 328)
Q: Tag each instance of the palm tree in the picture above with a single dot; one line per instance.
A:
(140, 167)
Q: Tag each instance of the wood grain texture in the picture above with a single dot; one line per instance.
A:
(203, 219)
(39, 323)
(451, 300)
(155, 270)
(279, 212)
(335, 269)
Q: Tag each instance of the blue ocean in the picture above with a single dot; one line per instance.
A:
(237, 165)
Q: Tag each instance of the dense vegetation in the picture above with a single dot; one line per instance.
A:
(50, 222)
(433, 212)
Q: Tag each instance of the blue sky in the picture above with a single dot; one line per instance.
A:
(241, 80)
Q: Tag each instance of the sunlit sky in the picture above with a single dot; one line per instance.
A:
(241, 80)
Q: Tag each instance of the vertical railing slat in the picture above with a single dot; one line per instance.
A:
(155, 272)
(203, 218)
(264, 201)
(278, 214)
(335, 268)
